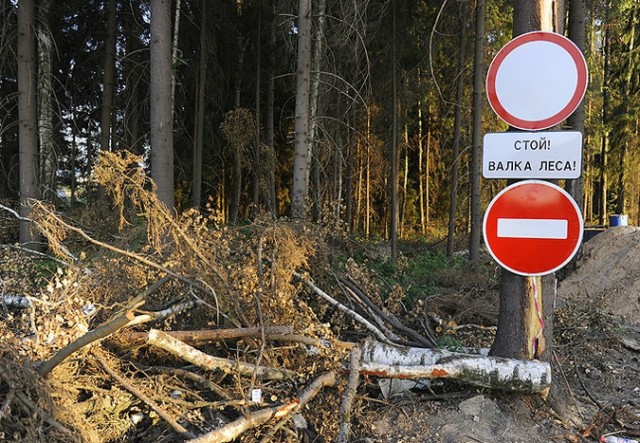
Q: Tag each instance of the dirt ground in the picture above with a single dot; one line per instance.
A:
(596, 376)
(596, 387)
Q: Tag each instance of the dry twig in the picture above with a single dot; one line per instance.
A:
(388, 317)
(360, 319)
(138, 393)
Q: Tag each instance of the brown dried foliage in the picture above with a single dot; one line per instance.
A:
(243, 276)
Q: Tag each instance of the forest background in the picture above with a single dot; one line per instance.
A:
(358, 113)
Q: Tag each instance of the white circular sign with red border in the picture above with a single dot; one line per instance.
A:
(537, 80)
(533, 228)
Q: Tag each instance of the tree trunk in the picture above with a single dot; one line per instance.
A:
(349, 176)
(161, 114)
(577, 33)
(476, 162)
(621, 206)
(108, 80)
(108, 77)
(28, 123)
(174, 50)
(48, 164)
(196, 185)
(313, 112)
(300, 188)
(604, 140)
(457, 128)
(405, 179)
(525, 322)
(237, 154)
(394, 142)
(269, 124)
(427, 169)
(423, 222)
(257, 154)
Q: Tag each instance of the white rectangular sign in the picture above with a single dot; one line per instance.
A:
(526, 155)
(532, 228)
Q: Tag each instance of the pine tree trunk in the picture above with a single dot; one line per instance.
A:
(28, 123)
(161, 114)
(48, 164)
(313, 112)
(300, 188)
(196, 185)
(476, 162)
(457, 128)
(393, 226)
(604, 140)
(236, 186)
(577, 30)
(269, 128)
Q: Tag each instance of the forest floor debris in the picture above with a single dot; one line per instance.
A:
(134, 385)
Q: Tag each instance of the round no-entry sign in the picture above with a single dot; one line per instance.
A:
(533, 228)
(537, 80)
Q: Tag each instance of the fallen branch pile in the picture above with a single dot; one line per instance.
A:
(370, 358)
(230, 338)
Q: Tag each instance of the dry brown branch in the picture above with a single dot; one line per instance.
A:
(100, 332)
(197, 378)
(28, 251)
(312, 341)
(350, 312)
(254, 419)
(347, 401)
(193, 338)
(182, 350)
(177, 308)
(136, 257)
(138, 393)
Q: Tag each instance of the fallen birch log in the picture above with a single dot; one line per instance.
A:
(389, 361)
(196, 357)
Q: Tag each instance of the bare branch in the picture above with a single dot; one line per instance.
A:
(194, 356)
(360, 319)
(131, 338)
(138, 393)
(254, 419)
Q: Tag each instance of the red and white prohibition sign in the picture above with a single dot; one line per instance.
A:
(533, 228)
(537, 80)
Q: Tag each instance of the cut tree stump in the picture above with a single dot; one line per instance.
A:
(390, 361)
